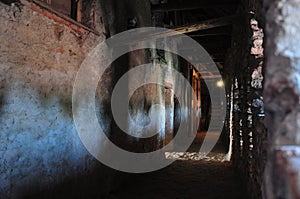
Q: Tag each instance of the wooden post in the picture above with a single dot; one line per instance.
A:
(79, 11)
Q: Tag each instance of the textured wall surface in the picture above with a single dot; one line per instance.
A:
(39, 59)
(245, 79)
(281, 93)
(39, 145)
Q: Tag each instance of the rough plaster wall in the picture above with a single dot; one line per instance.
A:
(39, 59)
(281, 93)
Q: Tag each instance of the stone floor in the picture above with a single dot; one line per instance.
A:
(209, 178)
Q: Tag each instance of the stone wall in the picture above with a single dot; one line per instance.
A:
(281, 94)
(40, 152)
(244, 80)
(39, 146)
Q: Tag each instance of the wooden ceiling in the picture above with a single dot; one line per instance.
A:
(209, 22)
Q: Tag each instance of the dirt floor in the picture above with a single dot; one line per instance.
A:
(211, 178)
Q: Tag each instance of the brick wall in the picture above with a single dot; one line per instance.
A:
(39, 146)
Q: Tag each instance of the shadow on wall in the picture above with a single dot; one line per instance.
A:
(41, 155)
(89, 185)
(39, 147)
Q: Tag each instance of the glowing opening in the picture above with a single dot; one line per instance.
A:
(220, 84)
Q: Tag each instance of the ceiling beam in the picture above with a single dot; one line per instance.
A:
(203, 25)
(208, 35)
(208, 24)
(192, 5)
(224, 30)
(210, 46)
(211, 32)
(218, 60)
(210, 76)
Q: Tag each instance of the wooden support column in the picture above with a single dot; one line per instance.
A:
(79, 11)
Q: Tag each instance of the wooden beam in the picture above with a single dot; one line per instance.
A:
(210, 46)
(219, 60)
(208, 24)
(225, 30)
(218, 57)
(204, 25)
(209, 35)
(79, 11)
(219, 54)
(192, 5)
(212, 32)
(211, 76)
(220, 65)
